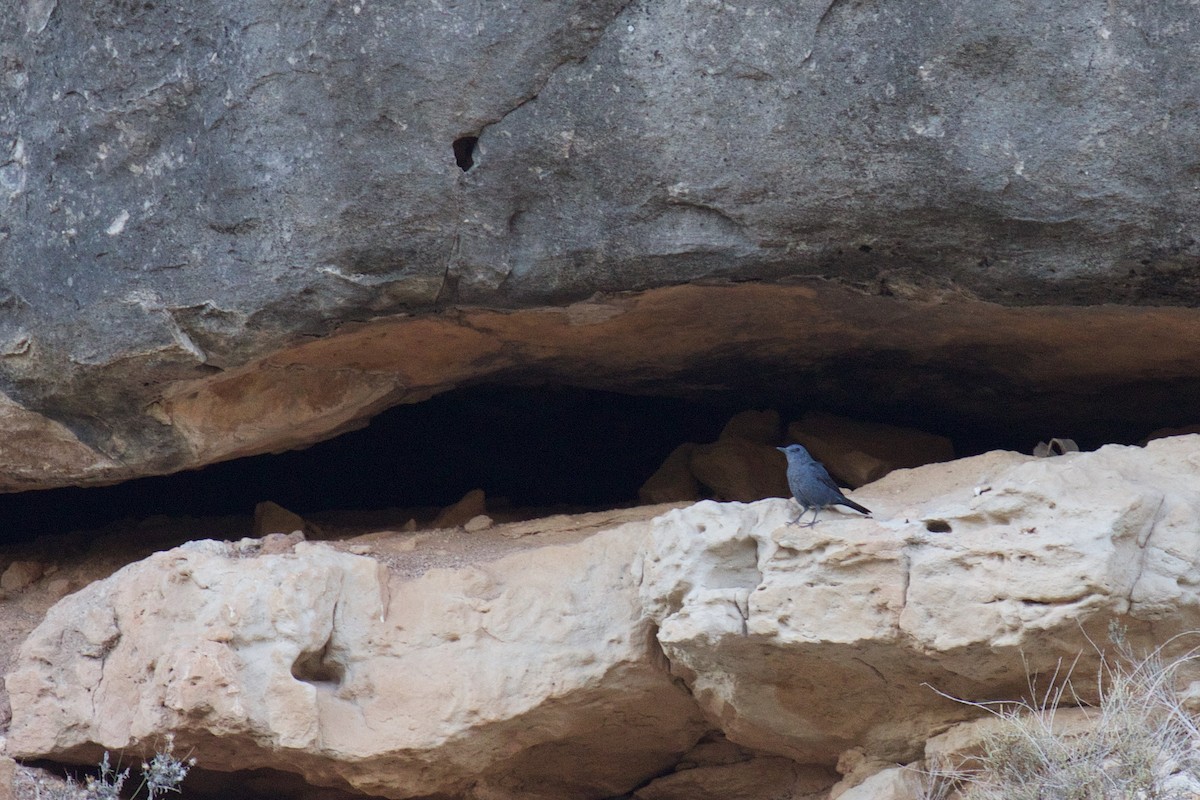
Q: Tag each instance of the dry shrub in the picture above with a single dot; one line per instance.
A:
(1141, 743)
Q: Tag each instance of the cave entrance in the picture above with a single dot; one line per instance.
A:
(541, 449)
(536, 450)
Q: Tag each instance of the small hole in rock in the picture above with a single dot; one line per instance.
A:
(937, 526)
(866, 248)
(464, 152)
(315, 666)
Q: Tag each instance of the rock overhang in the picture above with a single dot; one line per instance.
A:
(976, 371)
(216, 203)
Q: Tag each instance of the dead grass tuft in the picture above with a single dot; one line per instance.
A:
(1140, 742)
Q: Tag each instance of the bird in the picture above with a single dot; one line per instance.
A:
(811, 485)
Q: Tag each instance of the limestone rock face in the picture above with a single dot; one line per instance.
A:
(188, 187)
(591, 662)
(808, 641)
(315, 662)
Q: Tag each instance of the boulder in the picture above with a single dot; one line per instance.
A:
(741, 465)
(805, 642)
(893, 783)
(20, 574)
(738, 469)
(478, 523)
(472, 504)
(857, 452)
(673, 481)
(611, 654)
(506, 675)
(761, 427)
(958, 748)
(271, 517)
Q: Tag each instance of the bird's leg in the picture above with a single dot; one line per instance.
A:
(796, 519)
(816, 510)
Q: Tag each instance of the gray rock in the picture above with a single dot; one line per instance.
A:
(185, 185)
(1023, 157)
(188, 185)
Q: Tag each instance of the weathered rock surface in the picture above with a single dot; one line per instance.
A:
(808, 641)
(289, 398)
(186, 188)
(316, 662)
(533, 668)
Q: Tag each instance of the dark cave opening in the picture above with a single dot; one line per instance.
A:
(552, 448)
(545, 449)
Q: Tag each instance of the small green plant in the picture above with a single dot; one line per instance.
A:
(1139, 743)
(163, 773)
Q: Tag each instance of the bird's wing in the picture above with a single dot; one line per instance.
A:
(824, 477)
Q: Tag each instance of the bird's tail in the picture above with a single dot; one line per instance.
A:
(846, 501)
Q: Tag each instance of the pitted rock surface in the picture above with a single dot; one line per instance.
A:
(583, 656)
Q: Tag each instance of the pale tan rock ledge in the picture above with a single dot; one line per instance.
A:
(540, 672)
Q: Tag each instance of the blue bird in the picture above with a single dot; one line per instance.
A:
(811, 485)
